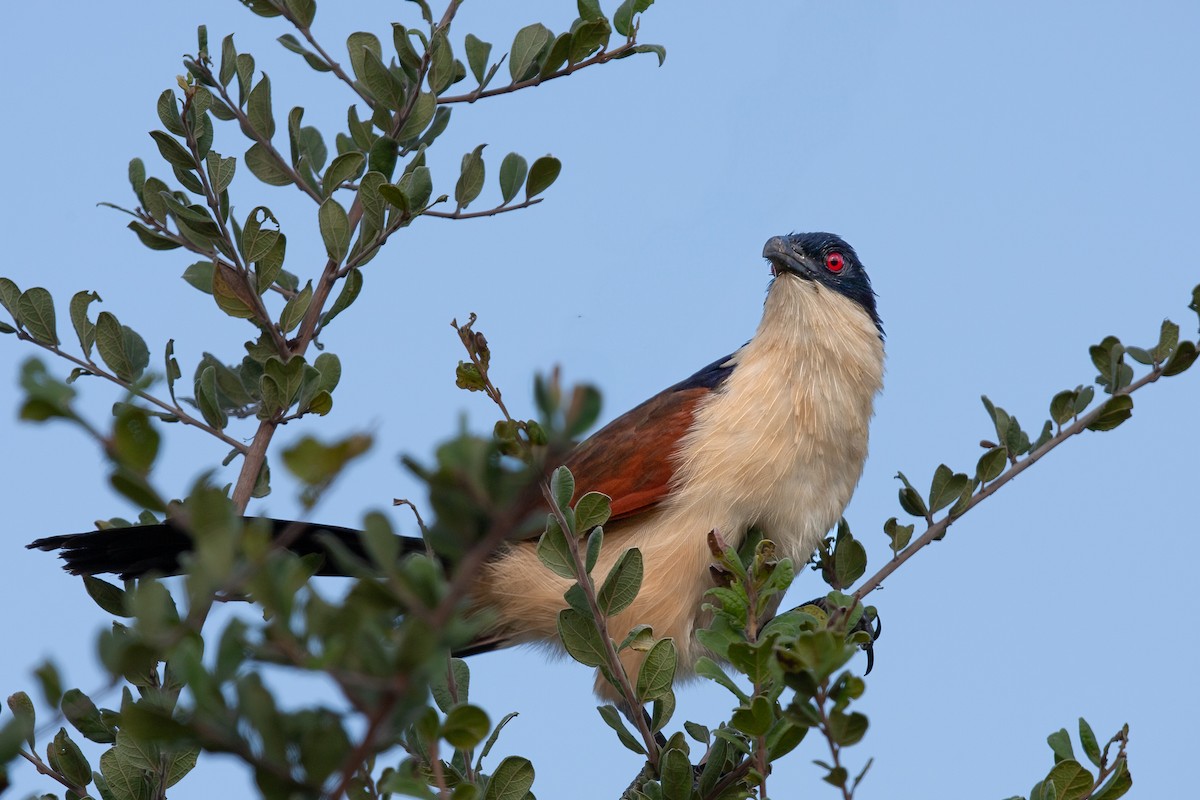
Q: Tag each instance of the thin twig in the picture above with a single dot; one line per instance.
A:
(50, 772)
(599, 58)
(834, 748)
(491, 212)
(93, 369)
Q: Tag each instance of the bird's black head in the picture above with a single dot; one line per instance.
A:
(826, 259)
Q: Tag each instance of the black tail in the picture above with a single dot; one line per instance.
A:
(145, 549)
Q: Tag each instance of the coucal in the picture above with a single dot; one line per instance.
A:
(773, 436)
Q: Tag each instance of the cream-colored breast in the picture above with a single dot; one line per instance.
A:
(780, 444)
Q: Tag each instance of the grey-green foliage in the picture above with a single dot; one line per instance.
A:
(412, 728)
(222, 136)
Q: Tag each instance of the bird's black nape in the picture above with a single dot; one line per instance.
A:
(828, 259)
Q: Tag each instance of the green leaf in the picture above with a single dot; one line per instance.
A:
(315, 61)
(850, 560)
(1114, 411)
(265, 167)
(1070, 780)
(258, 108)
(541, 175)
(556, 56)
(621, 586)
(420, 117)
(22, 708)
(847, 729)
(470, 179)
(110, 598)
(1117, 785)
(755, 720)
(228, 291)
(200, 276)
(553, 551)
(707, 668)
(623, 17)
(513, 170)
(657, 49)
(991, 464)
(220, 171)
(386, 86)
(121, 348)
(134, 442)
(82, 713)
(335, 229)
(440, 685)
(68, 760)
(228, 60)
(1088, 739)
(562, 487)
(441, 63)
(1183, 357)
(527, 47)
(478, 53)
(172, 151)
(591, 510)
(358, 45)
(35, 310)
(946, 487)
(137, 175)
(612, 718)
(351, 286)
(589, 9)
(465, 726)
(207, 399)
(151, 239)
(345, 167)
(658, 670)
(1060, 743)
(295, 309)
(900, 535)
(302, 11)
(910, 499)
(9, 295)
(589, 38)
(675, 772)
(512, 780)
(580, 638)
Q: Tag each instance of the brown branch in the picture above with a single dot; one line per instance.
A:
(252, 462)
(601, 621)
(834, 749)
(938, 529)
(50, 772)
(600, 58)
(491, 212)
(356, 757)
(733, 776)
(94, 369)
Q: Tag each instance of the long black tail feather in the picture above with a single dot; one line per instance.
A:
(156, 549)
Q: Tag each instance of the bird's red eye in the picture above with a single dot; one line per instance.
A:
(834, 262)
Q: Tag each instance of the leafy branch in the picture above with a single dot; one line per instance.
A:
(1015, 451)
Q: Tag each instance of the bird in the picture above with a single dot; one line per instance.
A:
(773, 436)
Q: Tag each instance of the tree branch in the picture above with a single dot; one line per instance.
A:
(94, 369)
(600, 58)
(938, 529)
(601, 622)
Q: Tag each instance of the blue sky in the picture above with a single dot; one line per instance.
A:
(1019, 178)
